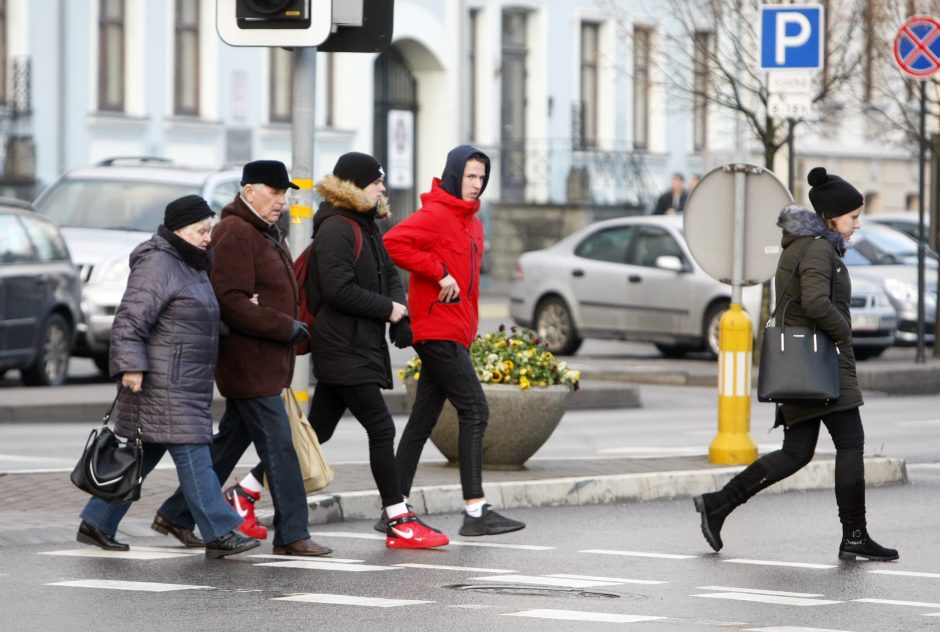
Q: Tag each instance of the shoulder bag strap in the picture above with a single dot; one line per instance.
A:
(797, 267)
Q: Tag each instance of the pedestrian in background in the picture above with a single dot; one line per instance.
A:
(672, 201)
(164, 341)
(441, 245)
(356, 292)
(814, 244)
(253, 278)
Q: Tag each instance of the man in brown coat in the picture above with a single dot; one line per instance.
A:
(253, 278)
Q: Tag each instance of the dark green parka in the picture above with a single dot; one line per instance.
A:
(819, 265)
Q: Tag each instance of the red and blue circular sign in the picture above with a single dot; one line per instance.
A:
(917, 47)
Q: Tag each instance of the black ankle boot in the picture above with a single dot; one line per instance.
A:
(857, 543)
(716, 506)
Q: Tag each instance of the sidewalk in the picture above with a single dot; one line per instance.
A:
(43, 507)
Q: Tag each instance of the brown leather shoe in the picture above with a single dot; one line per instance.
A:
(185, 536)
(302, 547)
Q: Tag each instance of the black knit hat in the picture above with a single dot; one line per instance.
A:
(358, 168)
(186, 210)
(270, 172)
(832, 196)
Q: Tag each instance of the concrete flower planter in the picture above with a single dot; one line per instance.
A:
(520, 423)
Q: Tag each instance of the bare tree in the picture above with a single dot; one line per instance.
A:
(733, 80)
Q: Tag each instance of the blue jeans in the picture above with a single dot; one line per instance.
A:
(198, 483)
(262, 421)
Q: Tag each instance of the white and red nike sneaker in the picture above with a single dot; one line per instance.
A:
(244, 503)
(407, 532)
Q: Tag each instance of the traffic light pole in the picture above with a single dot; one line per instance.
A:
(303, 123)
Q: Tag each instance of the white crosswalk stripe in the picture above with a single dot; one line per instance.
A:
(764, 598)
(136, 553)
(351, 600)
(323, 565)
(467, 569)
(662, 556)
(560, 582)
(111, 584)
(775, 563)
(576, 615)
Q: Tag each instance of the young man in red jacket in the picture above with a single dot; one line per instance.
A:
(441, 245)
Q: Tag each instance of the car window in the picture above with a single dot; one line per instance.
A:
(46, 239)
(15, 246)
(223, 194)
(609, 244)
(115, 204)
(651, 243)
(853, 257)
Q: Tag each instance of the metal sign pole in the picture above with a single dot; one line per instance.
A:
(921, 234)
(303, 124)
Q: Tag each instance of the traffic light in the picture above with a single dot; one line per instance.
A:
(287, 23)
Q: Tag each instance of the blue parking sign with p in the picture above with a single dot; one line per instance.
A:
(791, 37)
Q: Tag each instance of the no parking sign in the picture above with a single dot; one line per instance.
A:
(917, 47)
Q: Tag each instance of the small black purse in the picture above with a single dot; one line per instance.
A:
(110, 468)
(797, 364)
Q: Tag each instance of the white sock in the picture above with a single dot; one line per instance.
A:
(475, 510)
(393, 511)
(251, 483)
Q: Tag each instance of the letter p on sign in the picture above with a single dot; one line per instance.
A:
(791, 37)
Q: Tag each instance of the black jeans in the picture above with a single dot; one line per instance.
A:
(366, 403)
(447, 373)
(799, 445)
(262, 421)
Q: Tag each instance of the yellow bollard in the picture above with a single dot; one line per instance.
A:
(733, 444)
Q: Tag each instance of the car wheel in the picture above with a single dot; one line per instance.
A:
(866, 353)
(51, 364)
(712, 328)
(554, 325)
(101, 363)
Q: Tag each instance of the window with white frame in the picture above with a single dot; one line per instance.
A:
(642, 39)
(111, 26)
(186, 69)
(588, 106)
(281, 88)
(701, 54)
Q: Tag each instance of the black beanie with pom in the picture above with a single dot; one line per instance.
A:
(832, 196)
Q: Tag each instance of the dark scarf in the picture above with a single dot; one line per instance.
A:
(194, 257)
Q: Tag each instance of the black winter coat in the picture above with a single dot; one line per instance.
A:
(820, 266)
(354, 297)
(167, 326)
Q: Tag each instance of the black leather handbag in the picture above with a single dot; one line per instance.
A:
(110, 468)
(797, 364)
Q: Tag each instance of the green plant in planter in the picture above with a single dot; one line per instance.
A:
(512, 355)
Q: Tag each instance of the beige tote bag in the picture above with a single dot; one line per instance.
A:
(316, 471)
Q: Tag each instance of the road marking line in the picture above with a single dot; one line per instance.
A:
(349, 534)
(907, 574)
(491, 545)
(350, 600)
(337, 560)
(923, 466)
(895, 602)
(470, 569)
(112, 584)
(575, 615)
(609, 579)
(776, 599)
(663, 556)
(757, 591)
(545, 581)
(312, 565)
(773, 563)
(134, 554)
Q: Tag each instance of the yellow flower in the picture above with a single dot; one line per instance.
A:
(497, 376)
(523, 383)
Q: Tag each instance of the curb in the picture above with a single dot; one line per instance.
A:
(576, 491)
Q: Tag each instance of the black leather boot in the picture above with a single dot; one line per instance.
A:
(855, 539)
(716, 506)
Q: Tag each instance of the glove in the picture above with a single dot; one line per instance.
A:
(299, 334)
(400, 333)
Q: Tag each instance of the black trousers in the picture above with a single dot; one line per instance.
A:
(799, 445)
(447, 373)
(366, 403)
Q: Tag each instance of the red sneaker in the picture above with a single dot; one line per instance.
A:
(407, 532)
(244, 503)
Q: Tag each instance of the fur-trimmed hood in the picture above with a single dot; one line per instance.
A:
(345, 194)
(797, 221)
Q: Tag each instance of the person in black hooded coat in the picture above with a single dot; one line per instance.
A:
(355, 291)
(811, 269)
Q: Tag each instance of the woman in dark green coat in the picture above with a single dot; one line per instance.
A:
(813, 246)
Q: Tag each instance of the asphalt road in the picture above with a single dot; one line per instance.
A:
(639, 566)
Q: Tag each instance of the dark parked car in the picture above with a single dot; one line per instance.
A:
(40, 295)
